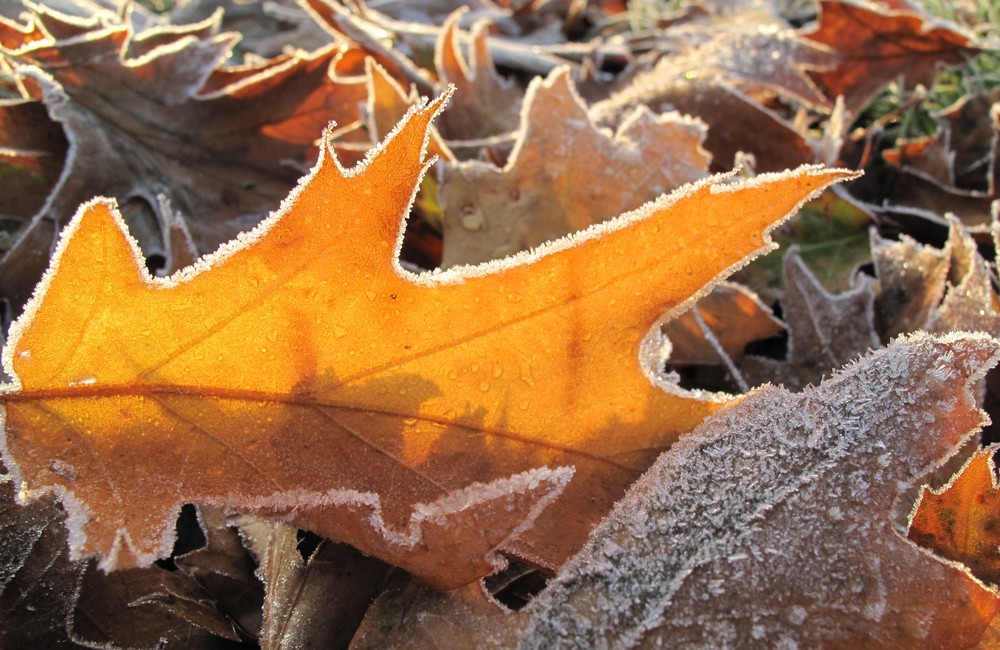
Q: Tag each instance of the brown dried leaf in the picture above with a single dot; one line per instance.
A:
(414, 617)
(734, 316)
(145, 608)
(736, 122)
(213, 141)
(874, 46)
(309, 603)
(564, 175)
(912, 279)
(38, 582)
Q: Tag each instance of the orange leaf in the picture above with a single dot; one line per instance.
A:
(301, 373)
(961, 521)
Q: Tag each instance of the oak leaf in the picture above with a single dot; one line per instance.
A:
(301, 374)
(215, 141)
(825, 330)
(777, 522)
(961, 521)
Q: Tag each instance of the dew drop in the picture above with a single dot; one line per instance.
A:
(339, 331)
(497, 372)
(473, 222)
(484, 386)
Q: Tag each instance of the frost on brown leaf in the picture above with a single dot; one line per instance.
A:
(38, 581)
(563, 175)
(825, 330)
(151, 114)
(778, 521)
(938, 290)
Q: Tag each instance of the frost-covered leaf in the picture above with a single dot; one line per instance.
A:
(388, 104)
(912, 279)
(147, 608)
(825, 330)
(779, 521)
(301, 374)
(564, 175)
(152, 114)
(938, 290)
(736, 122)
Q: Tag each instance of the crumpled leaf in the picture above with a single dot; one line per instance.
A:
(922, 287)
(564, 175)
(825, 330)
(777, 522)
(316, 602)
(875, 45)
(301, 374)
(960, 520)
(151, 113)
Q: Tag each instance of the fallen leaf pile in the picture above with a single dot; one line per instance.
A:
(438, 324)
